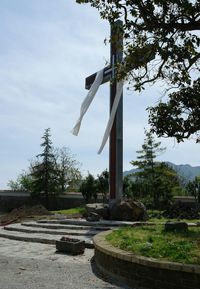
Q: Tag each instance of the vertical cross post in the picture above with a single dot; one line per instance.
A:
(116, 136)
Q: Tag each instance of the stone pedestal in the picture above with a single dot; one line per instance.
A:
(72, 246)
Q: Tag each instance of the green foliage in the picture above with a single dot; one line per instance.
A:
(88, 188)
(43, 172)
(165, 179)
(92, 186)
(179, 191)
(156, 243)
(148, 153)
(148, 177)
(155, 181)
(134, 188)
(159, 37)
(67, 168)
(161, 42)
(23, 183)
(193, 188)
(179, 116)
(127, 187)
(102, 184)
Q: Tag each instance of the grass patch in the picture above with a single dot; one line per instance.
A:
(153, 241)
(73, 211)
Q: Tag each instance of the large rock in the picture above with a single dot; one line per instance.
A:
(93, 217)
(176, 227)
(128, 210)
(97, 208)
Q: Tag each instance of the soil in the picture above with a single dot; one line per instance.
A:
(32, 213)
(23, 213)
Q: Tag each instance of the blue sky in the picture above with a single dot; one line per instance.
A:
(47, 49)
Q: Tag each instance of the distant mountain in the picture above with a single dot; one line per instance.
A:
(186, 171)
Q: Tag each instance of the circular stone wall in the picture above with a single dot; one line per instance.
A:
(147, 273)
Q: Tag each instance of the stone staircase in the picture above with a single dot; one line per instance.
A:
(49, 231)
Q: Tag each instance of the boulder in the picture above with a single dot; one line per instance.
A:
(93, 217)
(97, 208)
(176, 227)
(128, 210)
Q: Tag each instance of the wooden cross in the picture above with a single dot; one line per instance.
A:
(116, 136)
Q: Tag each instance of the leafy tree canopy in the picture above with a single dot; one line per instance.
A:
(179, 117)
(161, 42)
(68, 170)
(160, 38)
(23, 183)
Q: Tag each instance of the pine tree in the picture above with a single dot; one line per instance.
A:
(43, 171)
(146, 163)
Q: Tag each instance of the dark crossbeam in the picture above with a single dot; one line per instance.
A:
(108, 70)
(106, 77)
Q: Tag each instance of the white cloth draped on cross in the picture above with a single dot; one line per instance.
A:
(87, 101)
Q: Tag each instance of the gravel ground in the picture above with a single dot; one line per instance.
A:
(26, 265)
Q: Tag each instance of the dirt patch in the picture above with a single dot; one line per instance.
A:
(24, 212)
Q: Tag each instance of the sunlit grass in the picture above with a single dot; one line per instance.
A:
(153, 241)
(73, 211)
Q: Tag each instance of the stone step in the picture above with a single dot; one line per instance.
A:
(57, 231)
(65, 227)
(40, 237)
(83, 222)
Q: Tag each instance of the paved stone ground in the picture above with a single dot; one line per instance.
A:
(25, 265)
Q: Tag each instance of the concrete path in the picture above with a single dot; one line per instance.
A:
(26, 265)
(35, 264)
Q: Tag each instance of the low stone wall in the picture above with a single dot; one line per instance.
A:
(12, 200)
(9, 202)
(185, 200)
(138, 271)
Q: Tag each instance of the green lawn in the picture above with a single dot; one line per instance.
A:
(153, 241)
(73, 211)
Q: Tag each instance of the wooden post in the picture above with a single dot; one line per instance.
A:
(116, 136)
